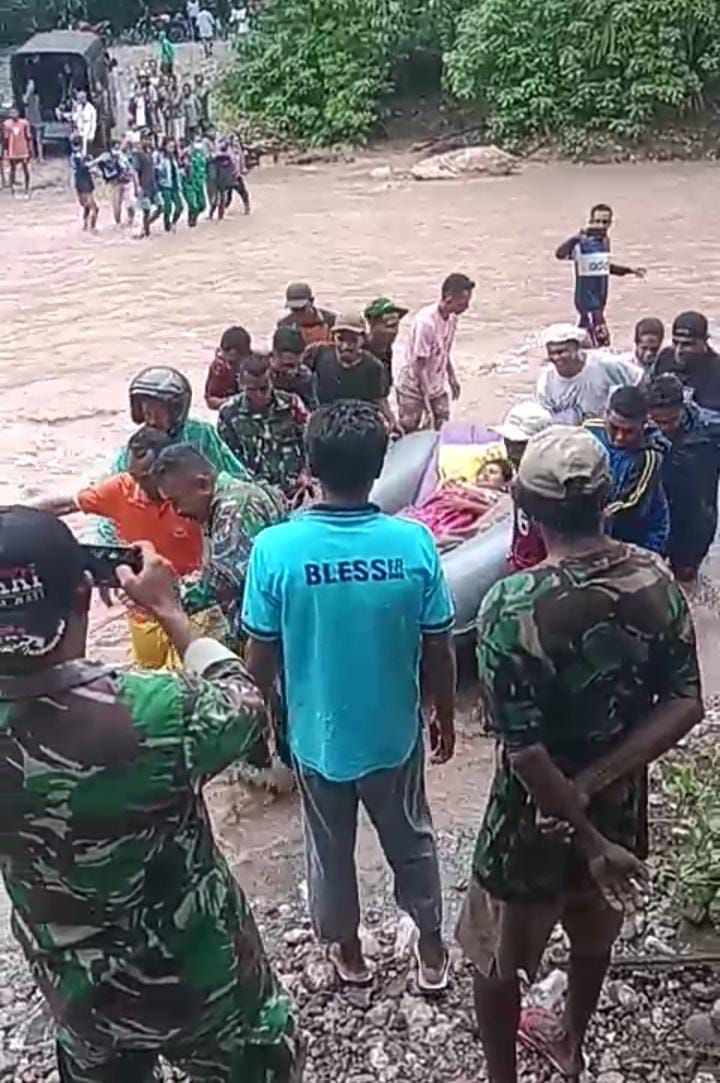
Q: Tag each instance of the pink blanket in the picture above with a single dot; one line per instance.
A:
(454, 511)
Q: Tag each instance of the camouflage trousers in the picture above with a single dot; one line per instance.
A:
(214, 1062)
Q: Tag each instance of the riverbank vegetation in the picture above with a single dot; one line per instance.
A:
(323, 71)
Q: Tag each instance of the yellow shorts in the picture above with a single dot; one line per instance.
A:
(151, 648)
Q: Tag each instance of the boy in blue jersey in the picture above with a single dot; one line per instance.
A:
(637, 511)
(590, 251)
(356, 604)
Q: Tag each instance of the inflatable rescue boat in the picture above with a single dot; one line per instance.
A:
(410, 474)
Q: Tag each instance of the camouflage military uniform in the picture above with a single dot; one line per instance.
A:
(134, 928)
(271, 444)
(240, 510)
(572, 656)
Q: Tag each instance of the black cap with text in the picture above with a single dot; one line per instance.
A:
(41, 564)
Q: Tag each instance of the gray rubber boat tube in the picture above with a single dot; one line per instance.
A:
(474, 566)
(403, 471)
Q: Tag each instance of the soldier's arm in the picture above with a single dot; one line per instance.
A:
(224, 714)
(222, 710)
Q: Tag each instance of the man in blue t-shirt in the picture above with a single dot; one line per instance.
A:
(356, 604)
(590, 252)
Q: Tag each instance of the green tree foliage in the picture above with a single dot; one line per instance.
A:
(319, 70)
(566, 68)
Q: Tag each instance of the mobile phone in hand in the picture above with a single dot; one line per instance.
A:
(102, 562)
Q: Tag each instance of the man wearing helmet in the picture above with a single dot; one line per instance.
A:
(161, 397)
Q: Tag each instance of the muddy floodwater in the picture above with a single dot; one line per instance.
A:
(81, 314)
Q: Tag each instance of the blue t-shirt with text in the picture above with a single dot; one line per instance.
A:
(349, 593)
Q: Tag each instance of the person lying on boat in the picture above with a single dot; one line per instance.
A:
(455, 511)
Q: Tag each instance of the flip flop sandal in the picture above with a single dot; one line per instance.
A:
(345, 976)
(539, 1030)
(429, 987)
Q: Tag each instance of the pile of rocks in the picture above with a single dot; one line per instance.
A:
(658, 1019)
(647, 1029)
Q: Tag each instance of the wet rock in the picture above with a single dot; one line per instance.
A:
(296, 936)
(608, 1062)
(469, 161)
(8, 1064)
(379, 1058)
(359, 997)
(419, 1014)
(699, 1029)
(623, 995)
(655, 946)
(380, 1014)
(439, 1033)
(611, 1077)
(318, 975)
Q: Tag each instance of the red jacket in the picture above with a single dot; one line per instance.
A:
(222, 381)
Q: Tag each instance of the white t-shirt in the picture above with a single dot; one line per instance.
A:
(571, 400)
(430, 339)
(193, 9)
(205, 24)
(239, 20)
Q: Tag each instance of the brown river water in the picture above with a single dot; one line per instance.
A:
(81, 314)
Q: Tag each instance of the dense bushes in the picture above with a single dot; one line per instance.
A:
(318, 70)
(570, 67)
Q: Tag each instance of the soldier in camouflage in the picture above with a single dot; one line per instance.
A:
(231, 513)
(588, 672)
(265, 428)
(133, 926)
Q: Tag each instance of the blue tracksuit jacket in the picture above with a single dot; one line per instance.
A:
(638, 510)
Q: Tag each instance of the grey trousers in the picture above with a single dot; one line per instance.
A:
(396, 803)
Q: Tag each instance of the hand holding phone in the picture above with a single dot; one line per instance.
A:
(102, 561)
(151, 585)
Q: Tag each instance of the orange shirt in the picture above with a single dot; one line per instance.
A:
(17, 139)
(138, 518)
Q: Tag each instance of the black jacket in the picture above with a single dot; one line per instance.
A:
(700, 375)
(691, 471)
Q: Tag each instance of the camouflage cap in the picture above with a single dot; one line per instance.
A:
(562, 457)
(383, 306)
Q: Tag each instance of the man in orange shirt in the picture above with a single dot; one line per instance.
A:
(132, 501)
(17, 138)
